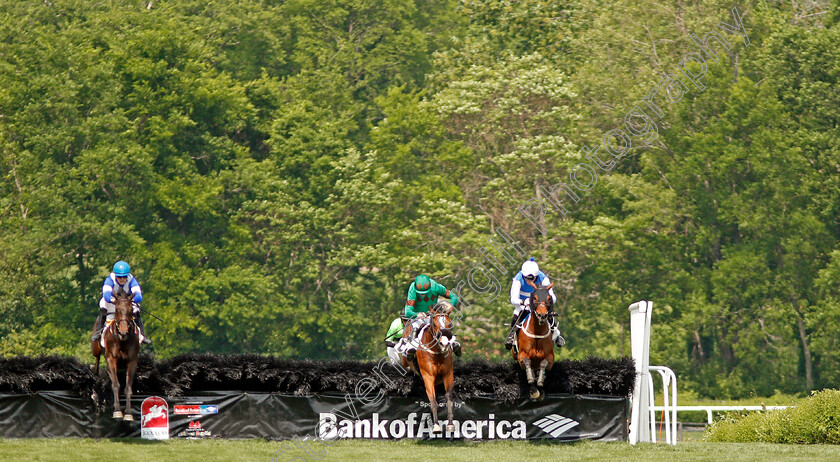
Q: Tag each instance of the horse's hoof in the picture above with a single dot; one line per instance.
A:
(542, 395)
(534, 393)
(450, 428)
(128, 418)
(118, 415)
(436, 428)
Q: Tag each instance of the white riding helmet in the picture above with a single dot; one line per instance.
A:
(530, 269)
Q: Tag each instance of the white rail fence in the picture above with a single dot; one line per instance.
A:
(711, 409)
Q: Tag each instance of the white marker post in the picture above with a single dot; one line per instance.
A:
(640, 346)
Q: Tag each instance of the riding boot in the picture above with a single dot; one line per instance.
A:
(139, 321)
(97, 327)
(512, 334)
(410, 349)
(456, 348)
(559, 341)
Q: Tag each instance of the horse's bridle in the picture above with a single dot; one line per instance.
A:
(115, 324)
(437, 333)
(115, 327)
(534, 304)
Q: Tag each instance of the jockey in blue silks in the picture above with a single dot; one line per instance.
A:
(121, 277)
(520, 297)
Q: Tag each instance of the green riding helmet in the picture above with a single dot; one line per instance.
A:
(422, 284)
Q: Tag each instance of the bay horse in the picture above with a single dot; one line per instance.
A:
(122, 344)
(534, 343)
(433, 361)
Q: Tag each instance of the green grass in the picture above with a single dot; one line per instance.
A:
(118, 450)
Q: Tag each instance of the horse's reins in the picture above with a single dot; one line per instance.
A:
(525, 330)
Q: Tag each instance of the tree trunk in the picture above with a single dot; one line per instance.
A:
(806, 352)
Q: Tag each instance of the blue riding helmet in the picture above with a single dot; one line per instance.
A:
(121, 269)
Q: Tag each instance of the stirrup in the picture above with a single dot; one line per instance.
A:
(510, 340)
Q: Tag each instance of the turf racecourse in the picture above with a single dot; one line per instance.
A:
(65, 449)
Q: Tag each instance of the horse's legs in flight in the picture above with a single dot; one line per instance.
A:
(130, 372)
(96, 350)
(448, 382)
(541, 378)
(115, 385)
(429, 381)
(529, 373)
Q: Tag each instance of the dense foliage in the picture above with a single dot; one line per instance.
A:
(276, 172)
(811, 420)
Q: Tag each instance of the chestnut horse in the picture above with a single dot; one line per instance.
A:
(534, 344)
(122, 343)
(434, 360)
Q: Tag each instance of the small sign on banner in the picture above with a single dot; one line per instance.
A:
(195, 409)
(154, 419)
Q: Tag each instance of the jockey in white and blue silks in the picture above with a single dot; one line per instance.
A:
(122, 278)
(520, 298)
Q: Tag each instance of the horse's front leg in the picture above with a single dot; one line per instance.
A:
(541, 379)
(529, 374)
(95, 367)
(131, 371)
(429, 382)
(115, 385)
(541, 375)
(448, 383)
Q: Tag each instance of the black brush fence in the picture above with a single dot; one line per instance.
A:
(310, 391)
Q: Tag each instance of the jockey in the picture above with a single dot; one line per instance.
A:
(395, 332)
(120, 277)
(422, 294)
(520, 298)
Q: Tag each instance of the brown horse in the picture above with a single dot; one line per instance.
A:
(121, 344)
(433, 361)
(534, 340)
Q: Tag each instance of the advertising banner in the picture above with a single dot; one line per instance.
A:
(329, 417)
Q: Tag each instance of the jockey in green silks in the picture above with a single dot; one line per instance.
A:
(423, 294)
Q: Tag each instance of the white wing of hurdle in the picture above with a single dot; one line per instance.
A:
(642, 417)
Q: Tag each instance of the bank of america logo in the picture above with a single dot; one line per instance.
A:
(555, 424)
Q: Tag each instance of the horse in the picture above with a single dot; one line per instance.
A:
(433, 361)
(534, 340)
(122, 343)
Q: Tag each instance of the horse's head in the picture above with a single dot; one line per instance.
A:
(441, 324)
(541, 302)
(123, 316)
